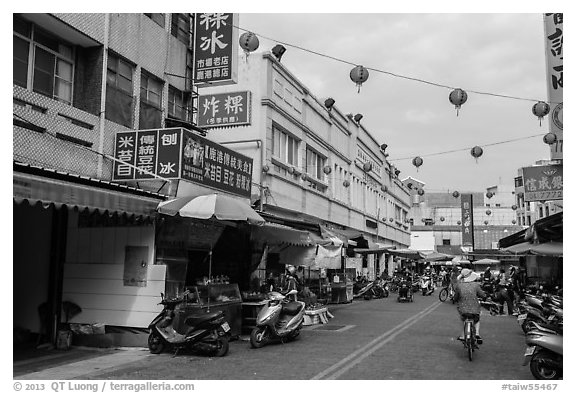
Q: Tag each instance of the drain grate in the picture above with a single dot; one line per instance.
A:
(333, 328)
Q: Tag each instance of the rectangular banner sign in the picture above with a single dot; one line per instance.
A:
(215, 49)
(467, 222)
(543, 183)
(206, 162)
(554, 31)
(224, 109)
(177, 153)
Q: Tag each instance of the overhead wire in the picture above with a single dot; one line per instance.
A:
(393, 74)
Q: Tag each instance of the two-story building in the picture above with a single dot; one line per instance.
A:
(312, 161)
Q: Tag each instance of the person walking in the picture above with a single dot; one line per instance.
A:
(501, 294)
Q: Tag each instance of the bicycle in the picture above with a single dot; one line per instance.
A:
(469, 339)
(446, 292)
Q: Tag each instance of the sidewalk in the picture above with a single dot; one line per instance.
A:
(83, 360)
(78, 361)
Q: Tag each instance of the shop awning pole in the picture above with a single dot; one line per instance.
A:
(209, 275)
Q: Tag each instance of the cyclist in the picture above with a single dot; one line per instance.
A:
(467, 292)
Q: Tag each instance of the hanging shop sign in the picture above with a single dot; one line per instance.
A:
(224, 109)
(152, 151)
(215, 49)
(467, 222)
(553, 27)
(177, 153)
(543, 183)
(213, 165)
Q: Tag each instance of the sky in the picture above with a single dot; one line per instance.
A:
(498, 53)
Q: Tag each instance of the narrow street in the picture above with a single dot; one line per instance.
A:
(366, 340)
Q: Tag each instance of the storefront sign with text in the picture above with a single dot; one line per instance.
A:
(543, 183)
(177, 153)
(224, 109)
(215, 49)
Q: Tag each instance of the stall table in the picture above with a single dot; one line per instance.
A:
(213, 297)
(250, 310)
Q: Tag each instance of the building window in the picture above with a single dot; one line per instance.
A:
(119, 88)
(158, 18)
(150, 102)
(315, 164)
(285, 146)
(178, 104)
(445, 242)
(181, 27)
(42, 62)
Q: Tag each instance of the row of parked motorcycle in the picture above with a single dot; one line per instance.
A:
(541, 319)
(405, 287)
(281, 319)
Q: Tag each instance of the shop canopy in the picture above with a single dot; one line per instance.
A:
(486, 261)
(436, 256)
(35, 184)
(547, 229)
(408, 253)
(349, 237)
(274, 234)
(544, 249)
(375, 248)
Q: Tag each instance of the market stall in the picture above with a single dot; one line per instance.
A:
(202, 242)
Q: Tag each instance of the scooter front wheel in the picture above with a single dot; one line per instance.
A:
(155, 343)
(258, 337)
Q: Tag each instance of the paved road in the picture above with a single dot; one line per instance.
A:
(370, 340)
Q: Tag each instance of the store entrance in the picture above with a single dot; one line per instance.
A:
(32, 234)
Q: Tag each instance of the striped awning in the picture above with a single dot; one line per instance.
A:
(48, 187)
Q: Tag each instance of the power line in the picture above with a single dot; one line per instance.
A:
(414, 79)
(466, 148)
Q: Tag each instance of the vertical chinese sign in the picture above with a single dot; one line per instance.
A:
(176, 153)
(224, 109)
(543, 183)
(553, 27)
(215, 49)
(467, 222)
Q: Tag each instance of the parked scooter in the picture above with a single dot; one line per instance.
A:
(279, 320)
(544, 353)
(208, 333)
(365, 291)
(540, 313)
(426, 285)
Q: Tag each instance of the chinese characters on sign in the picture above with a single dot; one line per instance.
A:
(543, 183)
(151, 151)
(208, 163)
(553, 24)
(175, 153)
(215, 48)
(467, 222)
(225, 109)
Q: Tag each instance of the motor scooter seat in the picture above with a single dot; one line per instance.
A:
(291, 308)
(194, 320)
